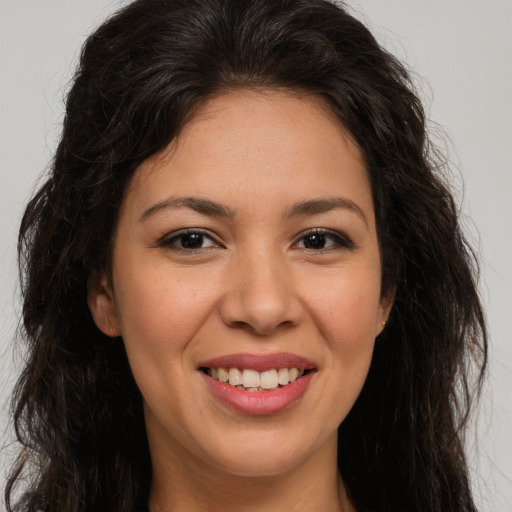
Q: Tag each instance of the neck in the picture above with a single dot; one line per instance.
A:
(182, 484)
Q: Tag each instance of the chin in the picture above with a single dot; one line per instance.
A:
(263, 454)
(265, 464)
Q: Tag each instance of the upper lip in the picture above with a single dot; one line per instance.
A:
(259, 362)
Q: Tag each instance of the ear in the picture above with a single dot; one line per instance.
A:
(386, 303)
(100, 299)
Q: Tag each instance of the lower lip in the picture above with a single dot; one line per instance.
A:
(259, 402)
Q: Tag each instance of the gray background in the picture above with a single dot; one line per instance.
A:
(461, 54)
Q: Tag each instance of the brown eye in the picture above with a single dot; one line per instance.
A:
(318, 240)
(190, 240)
(314, 241)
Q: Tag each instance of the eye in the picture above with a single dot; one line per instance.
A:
(322, 239)
(189, 240)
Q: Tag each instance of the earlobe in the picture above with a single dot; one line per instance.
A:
(385, 309)
(102, 306)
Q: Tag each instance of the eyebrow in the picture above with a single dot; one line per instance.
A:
(317, 206)
(214, 209)
(198, 204)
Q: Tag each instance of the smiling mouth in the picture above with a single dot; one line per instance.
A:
(253, 380)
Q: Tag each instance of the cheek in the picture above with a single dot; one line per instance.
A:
(347, 312)
(159, 314)
(161, 305)
(348, 306)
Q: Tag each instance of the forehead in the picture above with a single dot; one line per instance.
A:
(242, 144)
(283, 122)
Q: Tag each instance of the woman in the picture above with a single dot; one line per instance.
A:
(245, 284)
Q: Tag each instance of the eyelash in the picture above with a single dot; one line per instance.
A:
(338, 241)
(168, 241)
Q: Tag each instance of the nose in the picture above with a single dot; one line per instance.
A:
(261, 295)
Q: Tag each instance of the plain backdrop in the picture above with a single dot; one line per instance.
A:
(460, 52)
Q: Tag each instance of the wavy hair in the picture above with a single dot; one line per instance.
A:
(142, 74)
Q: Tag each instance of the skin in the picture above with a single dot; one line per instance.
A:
(254, 284)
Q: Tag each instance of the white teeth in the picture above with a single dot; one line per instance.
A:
(223, 375)
(283, 376)
(251, 379)
(235, 376)
(268, 379)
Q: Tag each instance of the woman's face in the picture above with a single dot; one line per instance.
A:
(247, 250)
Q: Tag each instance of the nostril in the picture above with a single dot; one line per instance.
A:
(260, 328)
(239, 324)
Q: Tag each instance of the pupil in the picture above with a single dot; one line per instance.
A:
(192, 241)
(315, 241)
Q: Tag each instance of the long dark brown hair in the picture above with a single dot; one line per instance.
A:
(77, 410)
